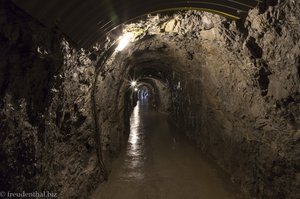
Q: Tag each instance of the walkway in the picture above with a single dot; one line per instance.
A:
(160, 163)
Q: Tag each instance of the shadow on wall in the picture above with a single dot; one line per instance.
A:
(46, 125)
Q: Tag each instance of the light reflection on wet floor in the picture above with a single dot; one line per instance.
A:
(160, 163)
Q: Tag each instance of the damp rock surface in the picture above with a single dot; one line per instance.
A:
(46, 126)
(232, 86)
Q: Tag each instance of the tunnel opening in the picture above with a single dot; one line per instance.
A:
(203, 80)
(143, 94)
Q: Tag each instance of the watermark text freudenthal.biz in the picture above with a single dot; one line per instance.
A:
(35, 194)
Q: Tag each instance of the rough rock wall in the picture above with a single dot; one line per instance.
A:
(235, 89)
(164, 96)
(244, 112)
(249, 108)
(110, 88)
(269, 50)
(46, 125)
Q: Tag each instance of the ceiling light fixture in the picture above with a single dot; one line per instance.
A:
(133, 83)
(124, 41)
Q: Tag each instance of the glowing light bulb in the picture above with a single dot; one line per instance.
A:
(136, 89)
(133, 83)
(124, 41)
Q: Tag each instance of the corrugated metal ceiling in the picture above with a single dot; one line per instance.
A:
(86, 21)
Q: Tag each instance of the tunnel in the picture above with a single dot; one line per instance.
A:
(150, 99)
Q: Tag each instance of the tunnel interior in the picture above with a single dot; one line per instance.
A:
(226, 81)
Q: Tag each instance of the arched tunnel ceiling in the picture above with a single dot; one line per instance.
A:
(87, 21)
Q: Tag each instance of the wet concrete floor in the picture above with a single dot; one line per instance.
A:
(160, 163)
